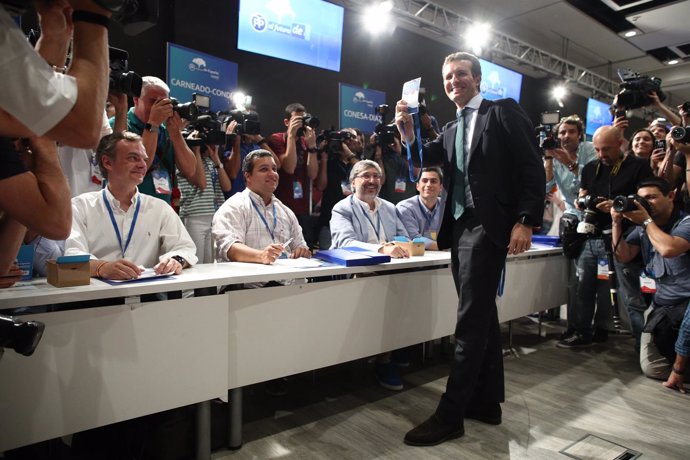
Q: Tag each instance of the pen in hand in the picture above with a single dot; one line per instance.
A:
(285, 245)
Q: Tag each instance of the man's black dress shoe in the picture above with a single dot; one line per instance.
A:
(433, 431)
(485, 413)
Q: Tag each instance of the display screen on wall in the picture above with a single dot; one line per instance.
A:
(499, 82)
(597, 115)
(305, 31)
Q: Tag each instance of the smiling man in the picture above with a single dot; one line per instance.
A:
(255, 226)
(495, 182)
(122, 229)
(421, 214)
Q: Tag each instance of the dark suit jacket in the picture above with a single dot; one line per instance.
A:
(505, 170)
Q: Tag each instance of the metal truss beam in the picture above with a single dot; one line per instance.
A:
(445, 26)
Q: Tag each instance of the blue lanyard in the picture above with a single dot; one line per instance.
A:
(378, 222)
(117, 230)
(410, 166)
(275, 220)
(428, 216)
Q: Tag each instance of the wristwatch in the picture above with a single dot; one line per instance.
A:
(647, 222)
(150, 128)
(180, 259)
(526, 220)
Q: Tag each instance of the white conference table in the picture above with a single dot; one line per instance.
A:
(101, 365)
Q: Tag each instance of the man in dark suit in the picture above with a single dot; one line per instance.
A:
(495, 182)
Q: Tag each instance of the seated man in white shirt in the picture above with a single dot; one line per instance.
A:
(421, 215)
(253, 225)
(122, 229)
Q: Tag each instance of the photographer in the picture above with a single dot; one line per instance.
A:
(299, 165)
(37, 99)
(247, 138)
(612, 174)
(564, 164)
(662, 236)
(334, 171)
(199, 203)
(675, 165)
(160, 127)
(397, 185)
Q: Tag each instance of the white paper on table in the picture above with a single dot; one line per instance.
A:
(301, 262)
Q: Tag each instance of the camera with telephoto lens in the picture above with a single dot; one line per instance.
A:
(21, 336)
(544, 131)
(385, 134)
(588, 205)
(681, 134)
(121, 80)
(623, 203)
(635, 89)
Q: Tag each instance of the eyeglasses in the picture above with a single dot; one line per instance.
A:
(370, 176)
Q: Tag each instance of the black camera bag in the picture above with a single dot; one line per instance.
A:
(572, 241)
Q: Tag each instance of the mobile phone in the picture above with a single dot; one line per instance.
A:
(660, 144)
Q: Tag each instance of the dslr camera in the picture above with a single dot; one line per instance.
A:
(681, 134)
(623, 203)
(191, 110)
(635, 89)
(310, 121)
(544, 131)
(589, 224)
(121, 80)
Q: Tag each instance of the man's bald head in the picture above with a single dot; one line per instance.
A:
(607, 142)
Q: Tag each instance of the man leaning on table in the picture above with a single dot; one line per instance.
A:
(255, 226)
(123, 230)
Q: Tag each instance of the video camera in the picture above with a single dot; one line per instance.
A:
(635, 89)
(247, 121)
(544, 131)
(122, 81)
(333, 135)
(385, 133)
(202, 120)
(623, 203)
(588, 204)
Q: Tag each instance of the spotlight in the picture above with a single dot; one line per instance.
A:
(377, 17)
(559, 93)
(240, 100)
(672, 62)
(477, 37)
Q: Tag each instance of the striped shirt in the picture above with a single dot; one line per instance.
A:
(197, 202)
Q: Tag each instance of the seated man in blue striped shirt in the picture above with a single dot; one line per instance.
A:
(421, 215)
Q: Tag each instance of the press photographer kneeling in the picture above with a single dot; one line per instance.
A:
(662, 236)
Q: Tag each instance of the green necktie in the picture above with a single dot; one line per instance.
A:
(459, 177)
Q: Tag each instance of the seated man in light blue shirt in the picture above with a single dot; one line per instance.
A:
(421, 215)
(365, 220)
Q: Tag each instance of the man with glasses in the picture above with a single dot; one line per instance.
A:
(367, 221)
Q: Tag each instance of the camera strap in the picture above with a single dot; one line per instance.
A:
(410, 166)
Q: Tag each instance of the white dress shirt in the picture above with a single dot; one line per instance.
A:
(158, 232)
(238, 221)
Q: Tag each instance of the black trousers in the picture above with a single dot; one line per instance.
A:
(476, 373)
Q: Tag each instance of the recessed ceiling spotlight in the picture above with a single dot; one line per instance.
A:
(630, 33)
(672, 62)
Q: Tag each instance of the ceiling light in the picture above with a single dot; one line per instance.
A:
(672, 62)
(630, 33)
(477, 36)
(377, 17)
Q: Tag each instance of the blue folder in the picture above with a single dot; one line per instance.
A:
(352, 257)
(547, 240)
